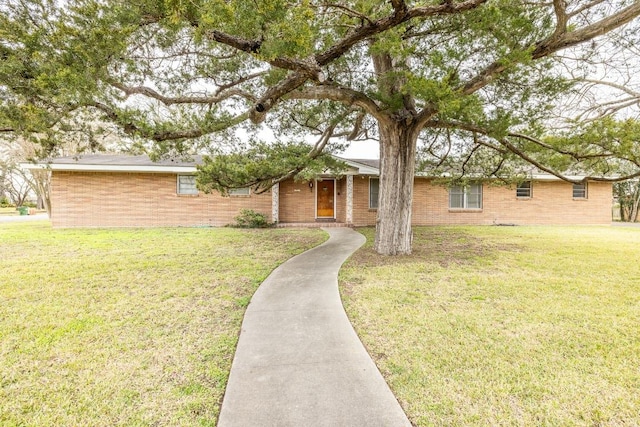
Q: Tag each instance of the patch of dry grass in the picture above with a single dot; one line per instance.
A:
(505, 326)
(126, 327)
(8, 210)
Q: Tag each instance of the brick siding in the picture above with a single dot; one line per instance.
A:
(298, 201)
(362, 215)
(552, 204)
(93, 199)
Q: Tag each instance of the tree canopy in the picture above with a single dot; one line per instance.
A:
(476, 86)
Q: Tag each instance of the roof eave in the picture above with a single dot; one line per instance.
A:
(110, 168)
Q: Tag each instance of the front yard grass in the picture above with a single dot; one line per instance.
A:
(8, 210)
(505, 325)
(126, 327)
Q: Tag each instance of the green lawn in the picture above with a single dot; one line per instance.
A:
(8, 211)
(505, 326)
(129, 327)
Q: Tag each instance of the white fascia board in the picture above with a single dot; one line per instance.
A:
(351, 171)
(533, 177)
(361, 169)
(367, 170)
(110, 168)
(549, 177)
(358, 168)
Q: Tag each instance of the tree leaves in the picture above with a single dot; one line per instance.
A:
(262, 165)
(176, 73)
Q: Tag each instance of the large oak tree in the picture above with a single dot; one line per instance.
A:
(475, 85)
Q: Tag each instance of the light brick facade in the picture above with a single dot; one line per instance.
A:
(124, 199)
(108, 199)
(552, 203)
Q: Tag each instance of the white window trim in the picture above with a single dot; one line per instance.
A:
(530, 190)
(586, 192)
(465, 198)
(377, 201)
(240, 192)
(180, 193)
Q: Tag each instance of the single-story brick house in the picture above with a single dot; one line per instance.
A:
(132, 191)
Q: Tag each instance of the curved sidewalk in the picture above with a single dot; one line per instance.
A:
(299, 361)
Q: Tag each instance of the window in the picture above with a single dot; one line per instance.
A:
(187, 184)
(580, 191)
(244, 191)
(467, 197)
(524, 189)
(374, 187)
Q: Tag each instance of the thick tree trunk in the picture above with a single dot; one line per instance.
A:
(395, 197)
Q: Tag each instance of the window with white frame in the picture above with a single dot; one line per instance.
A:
(244, 191)
(374, 190)
(465, 197)
(580, 191)
(187, 184)
(524, 190)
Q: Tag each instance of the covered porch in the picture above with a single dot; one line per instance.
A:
(322, 202)
(327, 200)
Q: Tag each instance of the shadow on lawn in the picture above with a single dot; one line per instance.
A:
(439, 245)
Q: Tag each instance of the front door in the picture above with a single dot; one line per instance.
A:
(325, 191)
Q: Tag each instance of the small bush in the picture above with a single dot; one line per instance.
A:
(249, 218)
(5, 203)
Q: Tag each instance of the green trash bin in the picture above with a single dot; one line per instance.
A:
(24, 210)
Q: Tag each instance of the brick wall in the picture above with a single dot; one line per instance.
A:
(86, 199)
(552, 203)
(362, 215)
(298, 201)
(341, 200)
(94, 199)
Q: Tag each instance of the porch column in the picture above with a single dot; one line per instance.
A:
(275, 203)
(349, 199)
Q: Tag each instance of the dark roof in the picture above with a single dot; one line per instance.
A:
(373, 163)
(144, 160)
(125, 160)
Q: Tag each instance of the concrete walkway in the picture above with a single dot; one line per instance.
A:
(23, 218)
(298, 361)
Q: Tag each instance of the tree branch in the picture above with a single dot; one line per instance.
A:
(572, 38)
(130, 128)
(559, 7)
(273, 95)
(585, 7)
(520, 153)
(613, 85)
(167, 100)
(313, 154)
(310, 68)
(341, 94)
(399, 16)
(244, 45)
(556, 42)
(350, 12)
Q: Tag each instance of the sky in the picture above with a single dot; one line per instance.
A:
(362, 150)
